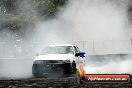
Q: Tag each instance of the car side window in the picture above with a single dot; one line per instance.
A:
(76, 49)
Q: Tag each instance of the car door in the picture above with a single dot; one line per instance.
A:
(77, 59)
(80, 60)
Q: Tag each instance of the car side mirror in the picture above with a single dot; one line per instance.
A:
(77, 54)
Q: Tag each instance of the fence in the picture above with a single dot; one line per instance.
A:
(105, 47)
(90, 47)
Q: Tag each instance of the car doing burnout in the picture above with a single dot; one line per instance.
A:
(57, 59)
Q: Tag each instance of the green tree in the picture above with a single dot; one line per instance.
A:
(8, 6)
(12, 19)
(48, 7)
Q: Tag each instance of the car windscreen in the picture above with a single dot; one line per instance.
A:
(58, 50)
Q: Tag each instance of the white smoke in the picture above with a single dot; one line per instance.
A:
(80, 20)
(114, 64)
(84, 20)
(97, 20)
(89, 20)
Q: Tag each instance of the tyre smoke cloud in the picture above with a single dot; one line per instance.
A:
(89, 20)
(96, 20)
(109, 64)
(93, 20)
(79, 20)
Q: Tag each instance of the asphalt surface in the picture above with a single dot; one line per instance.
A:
(21, 68)
(67, 82)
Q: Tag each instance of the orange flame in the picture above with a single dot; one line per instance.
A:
(81, 71)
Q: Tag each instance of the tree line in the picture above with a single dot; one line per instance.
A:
(18, 14)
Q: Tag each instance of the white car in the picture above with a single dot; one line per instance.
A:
(57, 60)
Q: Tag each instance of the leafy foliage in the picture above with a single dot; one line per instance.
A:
(13, 19)
(8, 6)
(48, 7)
